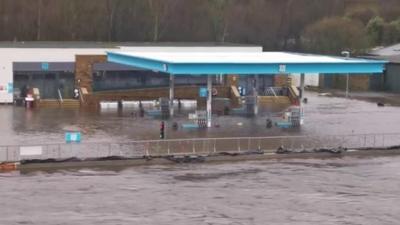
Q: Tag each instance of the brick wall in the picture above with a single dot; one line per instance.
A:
(84, 69)
(356, 82)
(232, 80)
(280, 80)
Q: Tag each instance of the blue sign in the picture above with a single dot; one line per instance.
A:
(45, 66)
(203, 92)
(73, 137)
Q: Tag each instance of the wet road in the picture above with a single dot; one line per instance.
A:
(308, 191)
(323, 116)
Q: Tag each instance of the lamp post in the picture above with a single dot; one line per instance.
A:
(347, 54)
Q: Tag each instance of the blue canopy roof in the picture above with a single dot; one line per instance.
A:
(201, 63)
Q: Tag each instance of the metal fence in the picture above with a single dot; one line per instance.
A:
(197, 146)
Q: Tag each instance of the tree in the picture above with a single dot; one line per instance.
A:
(375, 30)
(192, 21)
(332, 35)
(389, 10)
(111, 8)
(218, 10)
(71, 16)
(132, 21)
(255, 22)
(39, 19)
(274, 24)
(361, 13)
(159, 11)
(391, 32)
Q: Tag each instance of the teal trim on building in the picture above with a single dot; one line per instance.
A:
(354, 66)
(136, 62)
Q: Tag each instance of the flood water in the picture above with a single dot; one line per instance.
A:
(323, 116)
(308, 191)
(298, 191)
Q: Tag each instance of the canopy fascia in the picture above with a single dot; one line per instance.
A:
(353, 66)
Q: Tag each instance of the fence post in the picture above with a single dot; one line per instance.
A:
(17, 154)
(239, 145)
(147, 149)
(168, 150)
(343, 142)
(291, 143)
(194, 150)
(215, 143)
(248, 144)
(7, 159)
(365, 140)
(59, 151)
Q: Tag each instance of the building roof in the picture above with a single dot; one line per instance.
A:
(389, 53)
(243, 63)
(392, 50)
(88, 44)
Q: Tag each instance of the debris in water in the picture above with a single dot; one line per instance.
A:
(175, 126)
(324, 94)
(269, 123)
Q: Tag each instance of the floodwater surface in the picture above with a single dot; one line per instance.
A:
(323, 116)
(308, 191)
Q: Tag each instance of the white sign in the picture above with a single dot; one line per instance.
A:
(30, 150)
(282, 68)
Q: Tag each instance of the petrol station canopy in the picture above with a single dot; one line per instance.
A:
(244, 63)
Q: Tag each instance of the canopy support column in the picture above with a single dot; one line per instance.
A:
(302, 81)
(255, 93)
(209, 100)
(171, 94)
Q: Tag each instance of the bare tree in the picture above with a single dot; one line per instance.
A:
(274, 24)
(159, 11)
(111, 7)
(218, 11)
(39, 20)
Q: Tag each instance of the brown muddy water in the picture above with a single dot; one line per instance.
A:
(308, 191)
(345, 190)
(323, 116)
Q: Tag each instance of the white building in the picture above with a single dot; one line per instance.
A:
(41, 57)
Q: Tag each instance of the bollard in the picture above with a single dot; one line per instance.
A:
(162, 130)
